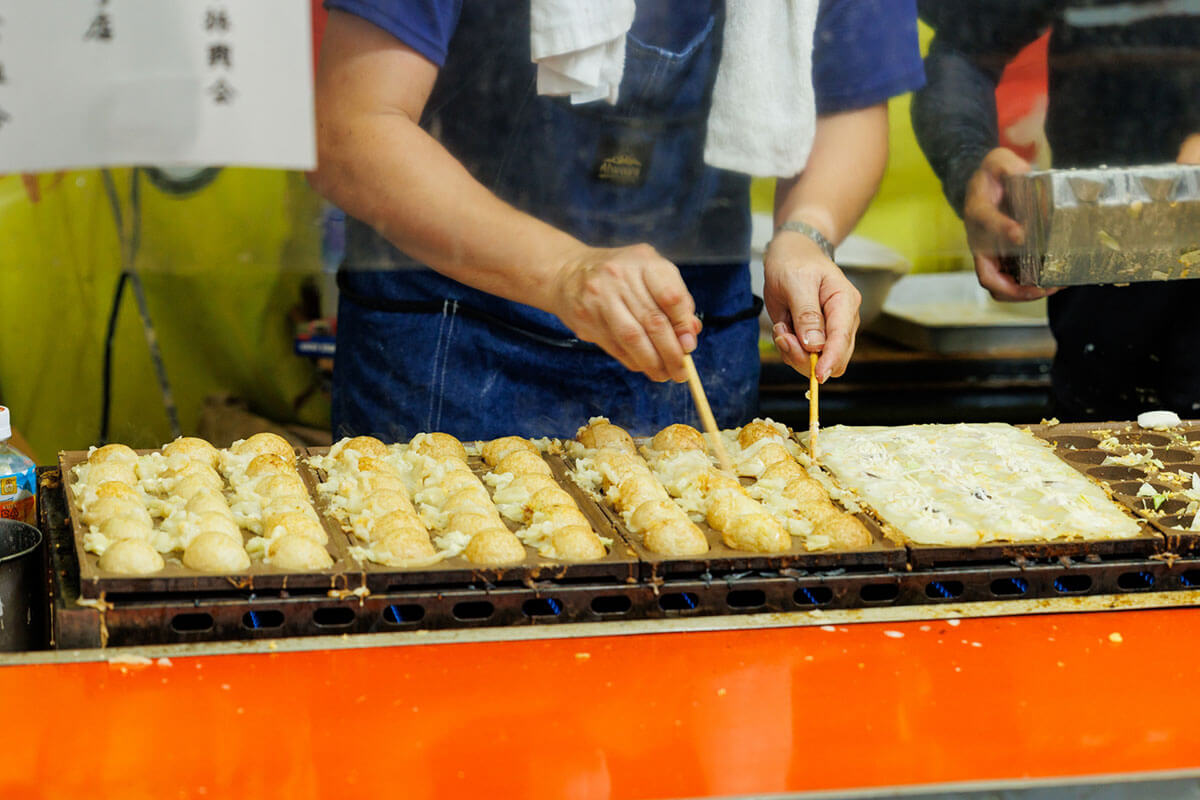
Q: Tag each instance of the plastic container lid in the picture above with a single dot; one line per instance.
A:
(5, 425)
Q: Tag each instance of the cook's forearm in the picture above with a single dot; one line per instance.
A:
(848, 158)
(384, 169)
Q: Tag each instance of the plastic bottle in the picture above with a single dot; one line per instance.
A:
(18, 478)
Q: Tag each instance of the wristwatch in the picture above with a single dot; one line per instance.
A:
(803, 228)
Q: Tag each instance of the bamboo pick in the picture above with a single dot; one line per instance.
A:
(812, 405)
(706, 415)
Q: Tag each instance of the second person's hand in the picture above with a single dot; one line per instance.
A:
(632, 303)
(990, 232)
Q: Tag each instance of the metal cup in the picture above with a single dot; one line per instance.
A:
(23, 595)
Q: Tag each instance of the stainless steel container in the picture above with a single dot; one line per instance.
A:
(23, 593)
(1107, 225)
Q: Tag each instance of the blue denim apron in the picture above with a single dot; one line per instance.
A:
(417, 351)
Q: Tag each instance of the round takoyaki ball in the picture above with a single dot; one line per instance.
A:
(472, 522)
(108, 507)
(296, 551)
(208, 501)
(404, 547)
(606, 436)
(370, 465)
(632, 492)
(773, 453)
(817, 511)
(783, 472)
(385, 501)
(297, 524)
(753, 431)
(577, 543)
(277, 506)
(471, 499)
(445, 468)
(493, 452)
(758, 532)
(268, 464)
(439, 446)
(454, 482)
(364, 446)
(652, 512)
(712, 480)
(215, 552)
(219, 523)
(524, 487)
(522, 462)
(190, 448)
(726, 505)
(561, 516)
(261, 443)
(805, 490)
(495, 547)
(117, 528)
(196, 471)
(192, 485)
(674, 438)
(395, 522)
(287, 485)
(117, 489)
(131, 557)
(678, 536)
(549, 497)
(845, 532)
(374, 482)
(111, 472)
(113, 454)
(616, 465)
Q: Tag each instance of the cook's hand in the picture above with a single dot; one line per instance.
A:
(631, 302)
(1189, 153)
(812, 304)
(990, 232)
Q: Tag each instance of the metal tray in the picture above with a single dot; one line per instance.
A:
(245, 615)
(1107, 225)
(921, 556)
(176, 578)
(722, 560)
(1178, 449)
(619, 566)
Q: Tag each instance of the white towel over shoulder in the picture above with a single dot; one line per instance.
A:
(579, 47)
(764, 111)
(763, 114)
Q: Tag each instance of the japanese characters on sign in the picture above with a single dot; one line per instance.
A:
(101, 28)
(219, 54)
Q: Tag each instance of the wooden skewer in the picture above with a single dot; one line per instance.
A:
(706, 415)
(812, 405)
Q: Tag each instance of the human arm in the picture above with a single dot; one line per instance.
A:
(864, 52)
(379, 165)
(812, 304)
(954, 118)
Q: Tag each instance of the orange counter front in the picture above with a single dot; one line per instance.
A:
(656, 711)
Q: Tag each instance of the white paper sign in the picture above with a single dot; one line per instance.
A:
(87, 83)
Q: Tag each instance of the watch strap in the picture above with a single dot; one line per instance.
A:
(804, 229)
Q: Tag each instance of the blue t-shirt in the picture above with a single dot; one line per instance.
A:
(864, 51)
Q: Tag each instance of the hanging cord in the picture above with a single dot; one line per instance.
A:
(130, 242)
